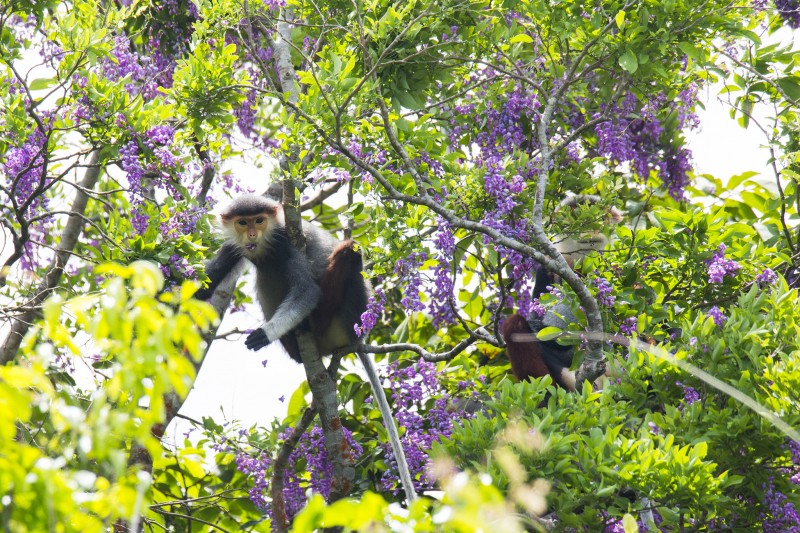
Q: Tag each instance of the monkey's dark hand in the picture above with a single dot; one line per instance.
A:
(256, 340)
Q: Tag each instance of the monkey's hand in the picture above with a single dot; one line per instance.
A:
(256, 340)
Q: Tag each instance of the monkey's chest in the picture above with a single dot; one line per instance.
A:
(272, 286)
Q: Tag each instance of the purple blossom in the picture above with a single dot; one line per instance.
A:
(274, 5)
(717, 316)
(675, 171)
(369, 318)
(766, 277)
(183, 222)
(794, 448)
(26, 177)
(604, 291)
(180, 267)
(24, 166)
(536, 310)
(629, 326)
(161, 135)
(690, 395)
(789, 11)
(719, 267)
(129, 159)
(246, 114)
(140, 70)
(409, 270)
(781, 515)
(440, 305)
(139, 221)
(308, 467)
(410, 388)
(759, 5)
(633, 133)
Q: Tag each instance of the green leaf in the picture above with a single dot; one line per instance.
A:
(690, 50)
(620, 19)
(41, 83)
(521, 38)
(629, 62)
(790, 87)
(548, 333)
(407, 100)
(629, 524)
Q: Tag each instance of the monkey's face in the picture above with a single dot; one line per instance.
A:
(251, 232)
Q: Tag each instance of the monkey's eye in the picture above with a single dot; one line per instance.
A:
(260, 220)
(241, 222)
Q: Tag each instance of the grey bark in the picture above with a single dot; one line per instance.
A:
(69, 238)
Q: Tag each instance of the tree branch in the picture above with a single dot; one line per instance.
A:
(69, 238)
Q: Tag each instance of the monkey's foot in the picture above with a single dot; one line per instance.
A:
(256, 340)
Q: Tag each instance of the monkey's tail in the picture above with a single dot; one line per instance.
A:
(391, 427)
(343, 271)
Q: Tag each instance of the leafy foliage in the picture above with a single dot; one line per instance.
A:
(441, 135)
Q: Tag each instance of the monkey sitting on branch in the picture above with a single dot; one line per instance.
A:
(324, 285)
(322, 289)
(534, 358)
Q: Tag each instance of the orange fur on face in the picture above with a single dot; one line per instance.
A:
(252, 227)
(249, 231)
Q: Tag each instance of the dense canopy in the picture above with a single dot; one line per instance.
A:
(441, 135)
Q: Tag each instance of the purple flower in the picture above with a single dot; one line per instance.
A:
(411, 388)
(604, 292)
(274, 5)
(633, 133)
(25, 170)
(369, 318)
(766, 277)
(308, 467)
(440, 306)
(719, 267)
(716, 314)
(409, 270)
(161, 135)
(781, 516)
(789, 11)
(794, 448)
(675, 171)
(690, 395)
(629, 326)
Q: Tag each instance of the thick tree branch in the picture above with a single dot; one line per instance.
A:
(69, 238)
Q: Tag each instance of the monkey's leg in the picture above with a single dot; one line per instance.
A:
(525, 355)
(289, 342)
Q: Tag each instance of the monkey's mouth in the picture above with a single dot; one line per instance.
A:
(250, 246)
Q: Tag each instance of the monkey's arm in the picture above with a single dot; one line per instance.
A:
(218, 269)
(302, 298)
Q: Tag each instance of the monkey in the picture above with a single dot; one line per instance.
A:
(322, 290)
(533, 358)
(324, 285)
